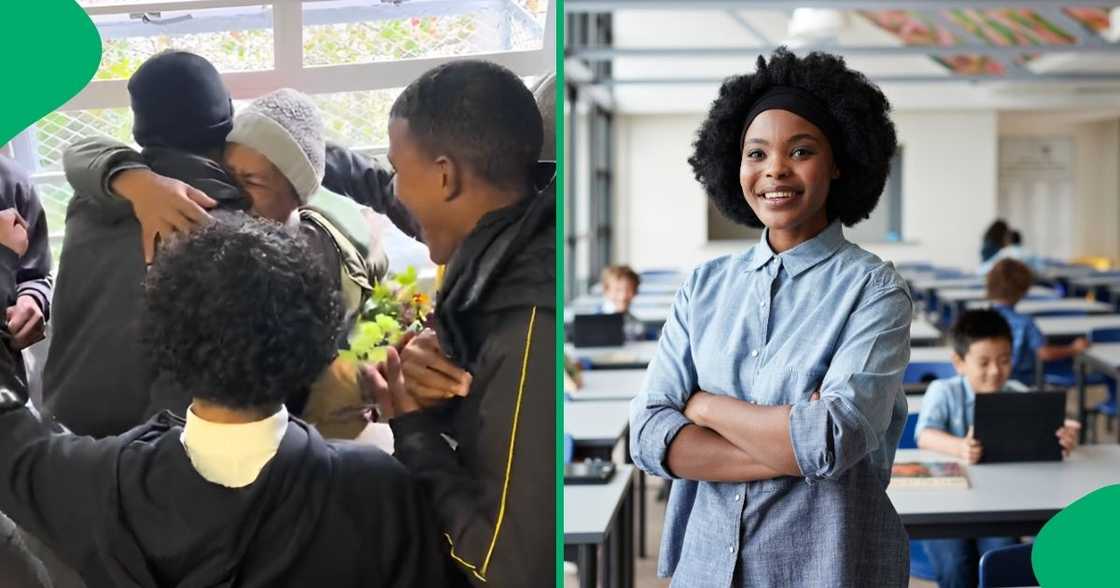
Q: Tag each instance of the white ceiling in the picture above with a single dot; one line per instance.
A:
(714, 28)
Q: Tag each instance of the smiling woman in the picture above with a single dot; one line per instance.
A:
(810, 389)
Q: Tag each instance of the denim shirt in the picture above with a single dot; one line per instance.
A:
(771, 329)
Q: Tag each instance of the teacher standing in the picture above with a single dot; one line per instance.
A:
(775, 397)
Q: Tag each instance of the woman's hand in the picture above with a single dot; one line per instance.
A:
(162, 205)
(13, 231)
(1068, 435)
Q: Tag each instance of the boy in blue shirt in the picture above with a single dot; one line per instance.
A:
(1008, 282)
(982, 356)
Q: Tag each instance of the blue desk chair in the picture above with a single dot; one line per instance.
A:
(923, 372)
(1007, 567)
(920, 566)
(1107, 408)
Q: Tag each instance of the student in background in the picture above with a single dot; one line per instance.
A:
(995, 238)
(620, 286)
(982, 347)
(1007, 283)
(29, 310)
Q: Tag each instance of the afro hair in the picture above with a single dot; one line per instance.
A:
(859, 108)
(240, 312)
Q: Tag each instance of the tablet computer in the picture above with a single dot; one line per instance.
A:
(598, 330)
(1019, 426)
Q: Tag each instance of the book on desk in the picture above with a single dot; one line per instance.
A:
(927, 475)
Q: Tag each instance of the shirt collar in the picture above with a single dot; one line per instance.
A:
(232, 455)
(969, 393)
(803, 256)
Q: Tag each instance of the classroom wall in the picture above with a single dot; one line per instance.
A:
(1095, 218)
(949, 190)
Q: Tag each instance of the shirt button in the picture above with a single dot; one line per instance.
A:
(731, 549)
(737, 497)
(754, 353)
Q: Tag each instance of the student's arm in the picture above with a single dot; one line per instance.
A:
(101, 169)
(1059, 352)
(367, 182)
(663, 441)
(34, 271)
(495, 511)
(931, 430)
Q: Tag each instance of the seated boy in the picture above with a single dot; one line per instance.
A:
(1008, 282)
(620, 286)
(981, 341)
(239, 493)
(470, 179)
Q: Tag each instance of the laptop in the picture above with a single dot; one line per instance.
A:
(598, 330)
(1019, 426)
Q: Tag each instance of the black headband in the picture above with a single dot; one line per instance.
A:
(802, 104)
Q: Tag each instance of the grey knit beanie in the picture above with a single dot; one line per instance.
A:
(285, 127)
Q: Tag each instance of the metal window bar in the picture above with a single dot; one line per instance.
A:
(287, 21)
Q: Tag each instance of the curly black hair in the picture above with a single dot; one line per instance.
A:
(240, 313)
(859, 108)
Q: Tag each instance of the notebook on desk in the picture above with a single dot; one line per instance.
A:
(599, 330)
(1019, 426)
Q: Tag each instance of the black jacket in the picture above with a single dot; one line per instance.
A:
(97, 377)
(494, 494)
(33, 272)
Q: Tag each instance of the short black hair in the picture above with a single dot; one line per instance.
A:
(240, 313)
(859, 108)
(1014, 238)
(479, 113)
(977, 325)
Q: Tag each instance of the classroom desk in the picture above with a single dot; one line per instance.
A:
(940, 354)
(1084, 285)
(602, 515)
(1064, 273)
(608, 385)
(1069, 327)
(949, 283)
(669, 286)
(922, 333)
(598, 426)
(1101, 358)
(1033, 307)
(632, 355)
(1004, 500)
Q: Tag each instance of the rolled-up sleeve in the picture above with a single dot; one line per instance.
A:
(859, 390)
(656, 412)
(935, 409)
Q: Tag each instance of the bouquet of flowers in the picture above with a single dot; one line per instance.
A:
(397, 306)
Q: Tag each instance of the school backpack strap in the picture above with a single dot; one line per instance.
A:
(357, 277)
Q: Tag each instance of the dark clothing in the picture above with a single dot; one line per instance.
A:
(367, 183)
(33, 273)
(319, 513)
(496, 313)
(96, 379)
(988, 249)
(179, 100)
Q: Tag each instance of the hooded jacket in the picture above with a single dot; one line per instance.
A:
(33, 272)
(131, 511)
(97, 378)
(494, 491)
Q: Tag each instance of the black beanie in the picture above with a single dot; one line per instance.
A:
(180, 101)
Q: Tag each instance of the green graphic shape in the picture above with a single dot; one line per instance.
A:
(53, 51)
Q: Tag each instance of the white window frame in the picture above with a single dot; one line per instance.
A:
(288, 69)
